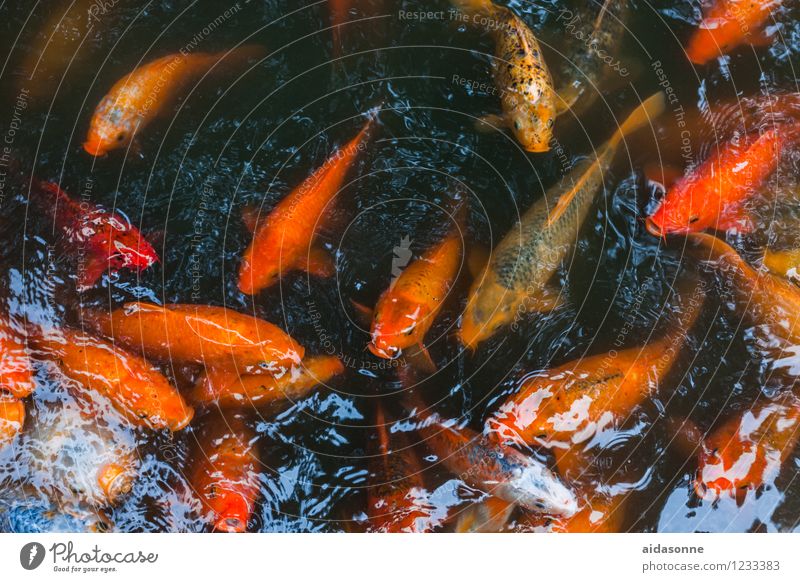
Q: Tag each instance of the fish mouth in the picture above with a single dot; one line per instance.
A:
(388, 353)
(653, 228)
(94, 148)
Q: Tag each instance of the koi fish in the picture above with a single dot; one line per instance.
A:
(490, 515)
(199, 334)
(784, 263)
(516, 276)
(225, 472)
(566, 406)
(520, 74)
(767, 298)
(728, 24)
(76, 457)
(282, 242)
(749, 449)
(229, 389)
(15, 367)
(12, 418)
(133, 386)
(713, 194)
(495, 468)
(393, 500)
(137, 99)
(594, 58)
(407, 309)
(103, 241)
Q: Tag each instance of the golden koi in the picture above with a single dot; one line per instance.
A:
(520, 74)
(515, 279)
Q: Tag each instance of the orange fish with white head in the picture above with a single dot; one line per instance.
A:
(137, 99)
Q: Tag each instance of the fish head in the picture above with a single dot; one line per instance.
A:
(232, 510)
(396, 326)
(111, 128)
(489, 308)
(534, 131)
(537, 489)
(680, 213)
(123, 244)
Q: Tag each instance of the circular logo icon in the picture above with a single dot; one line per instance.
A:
(31, 555)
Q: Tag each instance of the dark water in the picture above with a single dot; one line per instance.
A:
(246, 141)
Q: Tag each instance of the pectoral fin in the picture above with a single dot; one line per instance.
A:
(363, 313)
(91, 272)
(477, 259)
(318, 262)
(490, 122)
(251, 217)
(550, 299)
(420, 359)
(488, 516)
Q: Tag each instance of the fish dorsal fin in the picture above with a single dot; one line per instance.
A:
(566, 198)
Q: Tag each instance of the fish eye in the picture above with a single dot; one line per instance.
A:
(517, 124)
(120, 136)
(693, 219)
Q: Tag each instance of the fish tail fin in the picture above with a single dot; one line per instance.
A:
(472, 7)
(708, 247)
(644, 114)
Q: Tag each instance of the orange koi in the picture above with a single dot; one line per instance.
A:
(407, 309)
(748, 450)
(229, 389)
(225, 472)
(282, 242)
(15, 367)
(137, 99)
(728, 24)
(393, 506)
(768, 299)
(133, 386)
(567, 405)
(713, 194)
(199, 334)
(12, 418)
